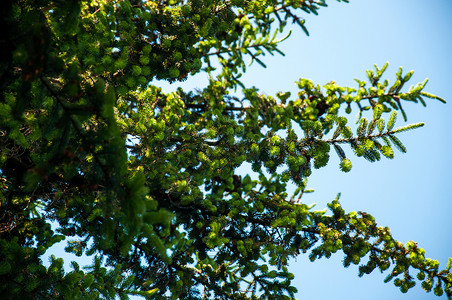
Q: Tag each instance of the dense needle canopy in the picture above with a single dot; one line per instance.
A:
(146, 181)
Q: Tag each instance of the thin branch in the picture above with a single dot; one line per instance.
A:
(229, 49)
(227, 108)
(355, 139)
(75, 124)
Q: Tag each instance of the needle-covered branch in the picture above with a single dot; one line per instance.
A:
(359, 237)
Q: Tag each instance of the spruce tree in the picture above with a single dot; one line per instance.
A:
(146, 182)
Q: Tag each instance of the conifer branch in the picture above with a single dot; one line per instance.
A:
(374, 136)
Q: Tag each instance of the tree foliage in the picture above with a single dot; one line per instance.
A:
(147, 182)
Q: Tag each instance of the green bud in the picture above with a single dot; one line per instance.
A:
(5, 267)
(359, 151)
(348, 109)
(167, 43)
(275, 139)
(345, 165)
(421, 275)
(144, 60)
(274, 150)
(387, 151)
(173, 72)
(347, 132)
(438, 290)
(177, 56)
(427, 285)
(186, 10)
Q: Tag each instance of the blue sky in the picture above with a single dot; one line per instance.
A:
(411, 194)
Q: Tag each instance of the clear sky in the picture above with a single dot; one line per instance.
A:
(411, 194)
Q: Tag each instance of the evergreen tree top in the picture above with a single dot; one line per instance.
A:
(147, 181)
